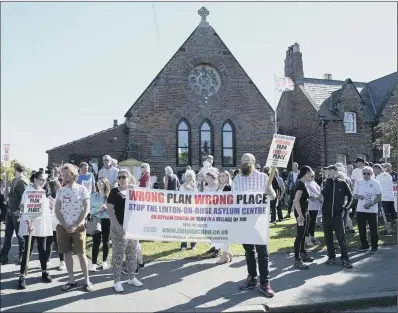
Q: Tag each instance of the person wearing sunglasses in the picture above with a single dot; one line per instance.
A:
(108, 171)
(368, 193)
(40, 229)
(120, 245)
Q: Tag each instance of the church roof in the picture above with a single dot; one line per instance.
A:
(377, 92)
(203, 23)
(321, 89)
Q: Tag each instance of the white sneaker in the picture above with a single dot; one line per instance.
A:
(93, 268)
(135, 282)
(62, 266)
(105, 266)
(118, 287)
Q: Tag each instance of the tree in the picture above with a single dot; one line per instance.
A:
(386, 133)
(9, 170)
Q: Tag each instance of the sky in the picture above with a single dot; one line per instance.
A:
(85, 64)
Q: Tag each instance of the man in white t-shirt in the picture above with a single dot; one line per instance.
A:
(72, 205)
(108, 171)
(368, 193)
(387, 195)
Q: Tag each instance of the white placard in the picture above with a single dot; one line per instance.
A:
(280, 151)
(386, 151)
(33, 204)
(229, 217)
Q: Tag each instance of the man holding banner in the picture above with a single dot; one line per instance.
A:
(251, 180)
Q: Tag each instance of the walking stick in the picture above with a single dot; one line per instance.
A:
(28, 253)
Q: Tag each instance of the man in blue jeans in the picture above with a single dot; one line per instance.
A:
(17, 188)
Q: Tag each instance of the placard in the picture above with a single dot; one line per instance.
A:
(33, 204)
(280, 151)
(229, 217)
(386, 151)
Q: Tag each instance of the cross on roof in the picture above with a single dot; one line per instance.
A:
(203, 12)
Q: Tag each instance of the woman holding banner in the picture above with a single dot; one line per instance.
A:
(189, 185)
(39, 228)
(225, 182)
(98, 209)
(121, 245)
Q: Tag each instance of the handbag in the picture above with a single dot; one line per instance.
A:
(93, 225)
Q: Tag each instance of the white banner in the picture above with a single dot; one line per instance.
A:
(280, 151)
(196, 217)
(33, 204)
(386, 151)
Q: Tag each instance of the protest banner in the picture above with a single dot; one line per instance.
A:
(280, 151)
(33, 204)
(230, 217)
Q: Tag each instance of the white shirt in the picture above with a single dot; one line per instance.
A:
(385, 180)
(295, 174)
(72, 202)
(357, 175)
(369, 189)
(256, 182)
(42, 226)
(110, 174)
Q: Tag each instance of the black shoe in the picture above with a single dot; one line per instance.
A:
(300, 265)
(373, 251)
(281, 220)
(346, 263)
(250, 283)
(137, 270)
(142, 265)
(3, 260)
(46, 278)
(331, 261)
(306, 258)
(21, 283)
(363, 249)
(212, 250)
(216, 253)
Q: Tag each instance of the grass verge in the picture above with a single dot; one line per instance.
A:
(282, 236)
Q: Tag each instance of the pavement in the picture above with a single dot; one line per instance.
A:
(203, 286)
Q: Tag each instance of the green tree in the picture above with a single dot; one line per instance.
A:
(386, 133)
(9, 170)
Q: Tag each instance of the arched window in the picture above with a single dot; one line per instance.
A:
(206, 140)
(228, 144)
(183, 143)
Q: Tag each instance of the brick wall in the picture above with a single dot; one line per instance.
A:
(95, 145)
(339, 142)
(297, 117)
(169, 99)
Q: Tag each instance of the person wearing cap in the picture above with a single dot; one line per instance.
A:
(368, 193)
(387, 196)
(333, 207)
(108, 171)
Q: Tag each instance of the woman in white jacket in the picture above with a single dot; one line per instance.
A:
(40, 229)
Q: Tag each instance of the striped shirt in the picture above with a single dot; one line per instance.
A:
(256, 182)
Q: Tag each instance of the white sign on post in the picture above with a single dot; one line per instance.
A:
(280, 151)
(6, 153)
(33, 204)
(386, 151)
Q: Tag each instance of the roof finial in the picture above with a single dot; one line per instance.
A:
(203, 12)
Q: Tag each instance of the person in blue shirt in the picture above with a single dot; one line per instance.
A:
(98, 202)
(86, 178)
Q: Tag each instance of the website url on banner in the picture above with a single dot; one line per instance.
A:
(201, 231)
(194, 238)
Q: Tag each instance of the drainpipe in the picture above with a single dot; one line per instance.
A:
(325, 141)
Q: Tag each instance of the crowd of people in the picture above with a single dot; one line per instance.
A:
(80, 202)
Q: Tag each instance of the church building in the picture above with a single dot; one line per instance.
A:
(202, 102)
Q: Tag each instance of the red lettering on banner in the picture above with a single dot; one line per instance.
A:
(146, 196)
(214, 199)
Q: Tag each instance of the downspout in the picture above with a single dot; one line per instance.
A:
(325, 141)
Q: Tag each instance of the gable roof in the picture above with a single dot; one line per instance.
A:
(128, 113)
(321, 89)
(328, 108)
(378, 92)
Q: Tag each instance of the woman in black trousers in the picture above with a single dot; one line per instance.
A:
(301, 196)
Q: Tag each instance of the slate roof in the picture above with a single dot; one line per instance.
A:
(328, 108)
(378, 92)
(321, 89)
